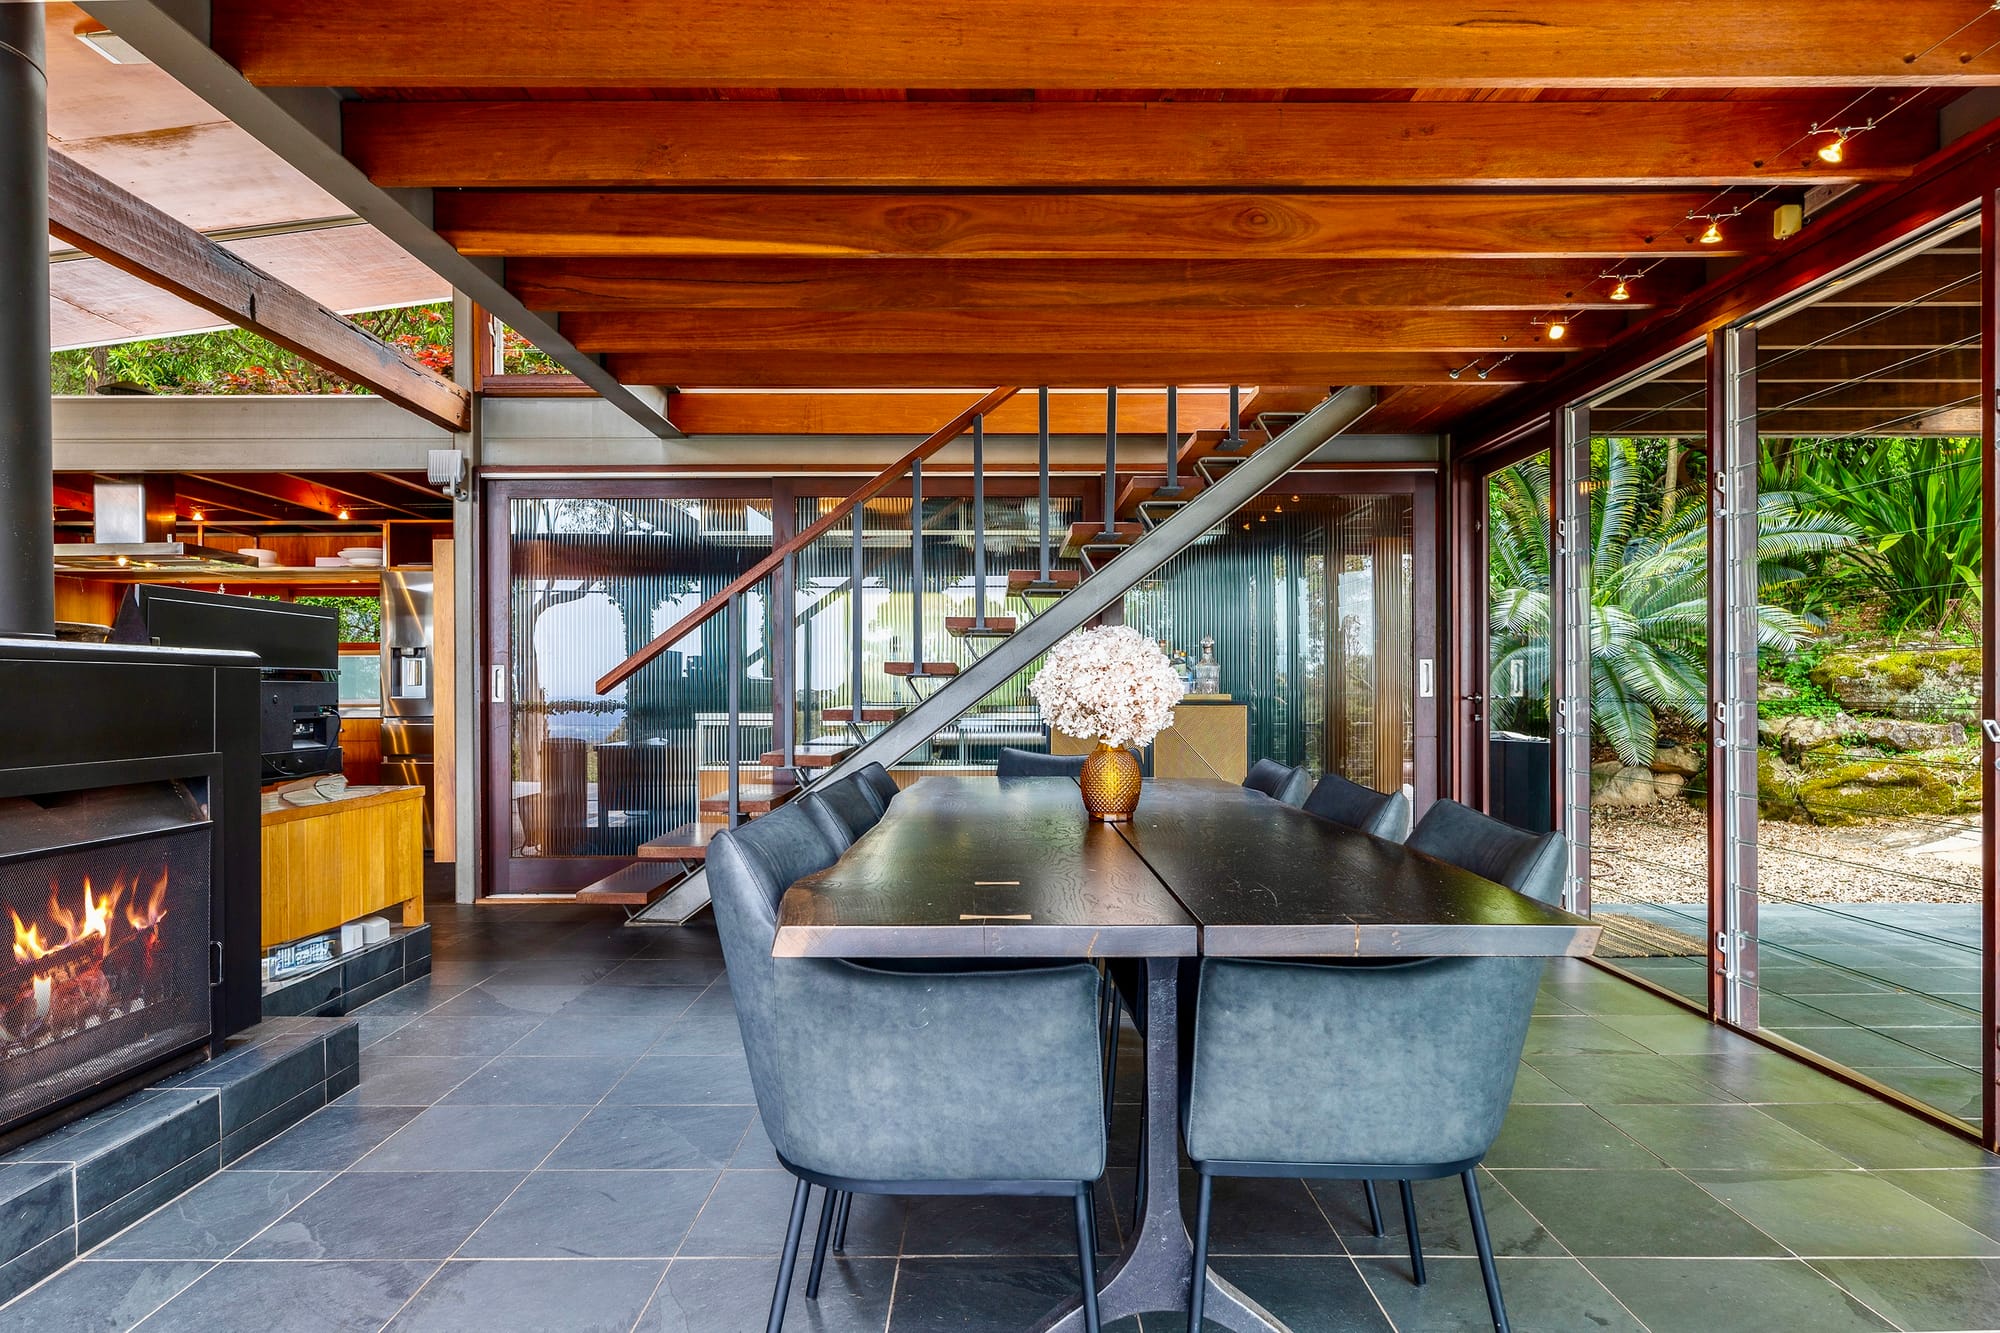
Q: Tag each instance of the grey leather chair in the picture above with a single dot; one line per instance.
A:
(844, 810)
(1384, 814)
(1277, 781)
(897, 1083)
(1411, 1083)
(879, 782)
(1033, 764)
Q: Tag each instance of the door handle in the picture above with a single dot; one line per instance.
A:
(1426, 678)
(1991, 728)
(499, 691)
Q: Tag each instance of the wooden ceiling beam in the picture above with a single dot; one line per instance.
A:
(1124, 284)
(131, 235)
(1465, 225)
(1057, 367)
(1141, 411)
(367, 490)
(1114, 145)
(1107, 44)
(211, 494)
(1027, 332)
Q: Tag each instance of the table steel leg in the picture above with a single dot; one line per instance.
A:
(1152, 1275)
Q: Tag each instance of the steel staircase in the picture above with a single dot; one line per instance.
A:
(1148, 519)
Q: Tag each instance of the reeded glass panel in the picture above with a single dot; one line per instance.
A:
(1869, 844)
(1647, 572)
(593, 580)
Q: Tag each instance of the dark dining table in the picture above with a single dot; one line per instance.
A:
(974, 868)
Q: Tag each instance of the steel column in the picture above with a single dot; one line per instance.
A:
(27, 468)
(1569, 647)
(1110, 461)
(856, 609)
(782, 617)
(1732, 675)
(917, 567)
(1989, 688)
(1043, 485)
(1173, 486)
(1234, 440)
(732, 625)
(979, 522)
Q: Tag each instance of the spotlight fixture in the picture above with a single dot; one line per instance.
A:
(1555, 326)
(200, 516)
(1713, 235)
(342, 516)
(1834, 150)
(1621, 292)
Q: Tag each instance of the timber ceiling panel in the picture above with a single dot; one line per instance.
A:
(897, 194)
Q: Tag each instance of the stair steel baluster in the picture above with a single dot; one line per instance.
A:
(854, 612)
(1043, 485)
(1234, 440)
(917, 574)
(733, 627)
(1173, 486)
(1111, 461)
(782, 623)
(979, 524)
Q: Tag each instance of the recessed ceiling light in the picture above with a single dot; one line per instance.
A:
(113, 47)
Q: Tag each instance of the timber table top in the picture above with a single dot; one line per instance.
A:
(973, 867)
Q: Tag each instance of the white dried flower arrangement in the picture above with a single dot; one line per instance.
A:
(1109, 684)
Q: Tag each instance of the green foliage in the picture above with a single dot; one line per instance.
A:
(1917, 505)
(1806, 699)
(360, 617)
(1648, 576)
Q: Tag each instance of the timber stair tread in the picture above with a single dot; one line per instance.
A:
(752, 798)
(968, 627)
(1027, 583)
(809, 754)
(636, 885)
(1091, 536)
(869, 713)
(911, 669)
(689, 842)
(1143, 490)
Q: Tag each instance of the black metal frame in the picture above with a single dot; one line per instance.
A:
(838, 1200)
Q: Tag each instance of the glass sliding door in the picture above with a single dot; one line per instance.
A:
(1519, 526)
(1872, 611)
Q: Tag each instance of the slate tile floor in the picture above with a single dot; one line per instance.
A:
(555, 1132)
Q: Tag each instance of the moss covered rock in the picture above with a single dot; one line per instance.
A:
(1886, 788)
(1933, 684)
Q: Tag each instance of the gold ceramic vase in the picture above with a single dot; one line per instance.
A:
(1110, 782)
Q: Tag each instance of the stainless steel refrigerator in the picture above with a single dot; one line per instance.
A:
(407, 694)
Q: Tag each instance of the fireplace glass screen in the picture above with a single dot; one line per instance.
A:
(109, 966)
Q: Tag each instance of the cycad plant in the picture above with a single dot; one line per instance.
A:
(1648, 575)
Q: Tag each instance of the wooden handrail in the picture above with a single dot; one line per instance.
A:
(750, 577)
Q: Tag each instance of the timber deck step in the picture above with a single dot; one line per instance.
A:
(637, 885)
(689, 842)
(810, 754)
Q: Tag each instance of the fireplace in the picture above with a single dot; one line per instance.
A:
(129, 874)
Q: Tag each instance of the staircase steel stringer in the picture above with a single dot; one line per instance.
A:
(1237, 487)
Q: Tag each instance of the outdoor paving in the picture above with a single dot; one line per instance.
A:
(556, 1131)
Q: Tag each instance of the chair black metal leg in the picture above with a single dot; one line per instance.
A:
(1198, 1288)
(1086, 1254)
(1374, 1208)
(840, 1222)
(788, 1259)
(829, 1204)
(1484, 1244)
(1410, 1221)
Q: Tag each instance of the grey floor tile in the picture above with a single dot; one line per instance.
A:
(1532, 1087)
(755, 1153)
(328, 1297)
(587, 1037)
(1577, 1035)
(501, 999)
(417, 997)
(641, 1004)
(745, 1217)
(1642, 1213)
(664, 972)
(1263, 1216)
(389, 1080)
(455, 1038)
(330, 1139)
(980, 1294)
(214, 1217)
(594, 1215)
(1310, 1295)
(1879, 1136)
(706, 1033)
(1541, 1294)
(734, 1295)
(474, 1138)
(1675, 1034)
(942, 1225)
(93, 1297)
(1756, 1074)
(1611, 1080)
(476, 1296)
(536, 1080)
(1971, 1196)
(1743, 1296)
(1924, 1293)
(1572, 1136)
(1843, 1214)
(1720, 1137)
(660, 1138)
(686, 1080)
(385, 1215)
(1443, 1224)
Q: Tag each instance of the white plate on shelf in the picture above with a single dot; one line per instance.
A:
(357, 554)
(329, 562)
(264, 557)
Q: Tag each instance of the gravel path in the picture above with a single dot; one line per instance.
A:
(1659, 854)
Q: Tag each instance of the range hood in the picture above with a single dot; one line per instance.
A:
(132, 524)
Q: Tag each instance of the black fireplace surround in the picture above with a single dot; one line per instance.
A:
(130, 865)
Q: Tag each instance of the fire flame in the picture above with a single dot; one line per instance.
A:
(94, 922)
